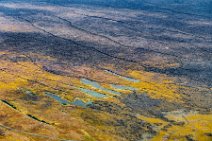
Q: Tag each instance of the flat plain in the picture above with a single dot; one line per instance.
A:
(105, 70)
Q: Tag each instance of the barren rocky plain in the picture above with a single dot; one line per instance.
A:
(105, 70)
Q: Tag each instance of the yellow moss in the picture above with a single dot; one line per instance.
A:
(196, 125)
(87, 137)
(117, 90)
(68, 119)
(151, 120)
(156, 85)
(9, 82)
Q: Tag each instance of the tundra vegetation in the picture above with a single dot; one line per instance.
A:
(113, 70)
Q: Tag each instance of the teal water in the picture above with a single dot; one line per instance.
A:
(122, 87)
(57, 98)
(76, 102)
(98, 86)
(92, 93)
(81, 103)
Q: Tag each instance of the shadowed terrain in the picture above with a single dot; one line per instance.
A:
(95, 70)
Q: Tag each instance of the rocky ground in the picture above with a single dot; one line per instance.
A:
(97, 71)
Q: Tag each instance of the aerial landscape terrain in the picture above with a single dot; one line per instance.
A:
(105, 70)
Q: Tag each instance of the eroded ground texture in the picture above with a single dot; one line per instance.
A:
(94, 70)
